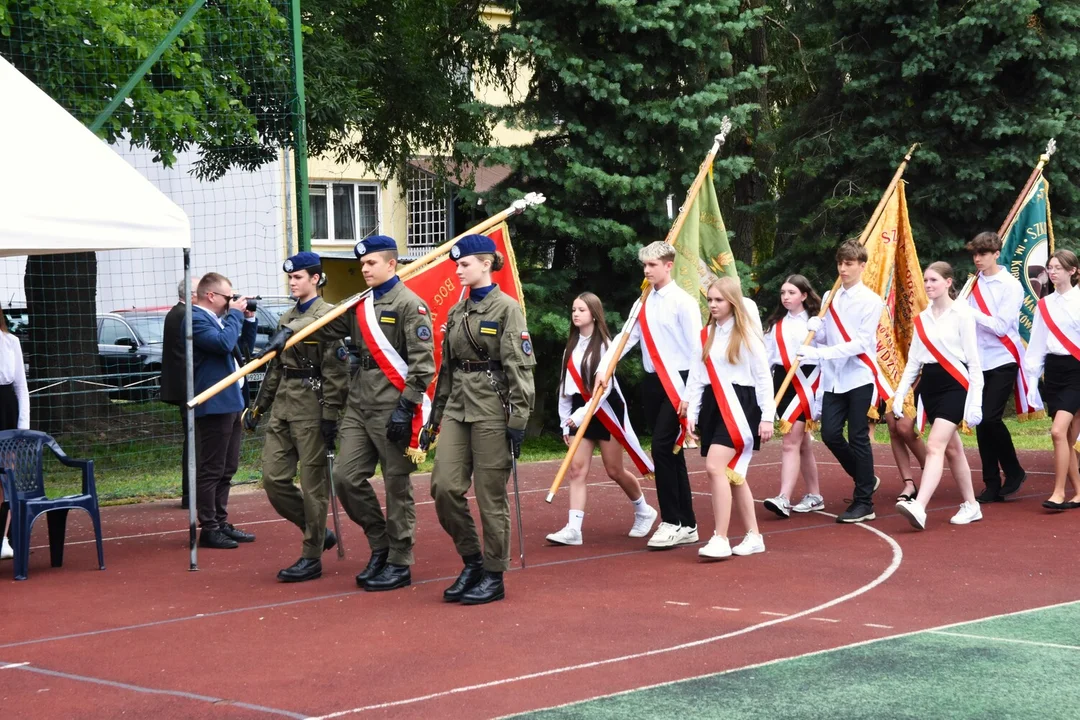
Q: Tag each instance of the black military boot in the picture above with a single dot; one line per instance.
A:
(392, 577)
(374, 566)
(490, 589)
(329, 540)
(470, 576)
(303, 569)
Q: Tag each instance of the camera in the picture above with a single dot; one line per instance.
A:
(252, 302)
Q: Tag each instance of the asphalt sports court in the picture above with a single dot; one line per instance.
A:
(832, 621)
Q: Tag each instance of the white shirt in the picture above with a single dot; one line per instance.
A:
(1065, 309)
(13, 372)
(751, 370)
(675, 323)
(1004, 297)
(569, 387)
(953, 332)
(795, 332)
(859, 309)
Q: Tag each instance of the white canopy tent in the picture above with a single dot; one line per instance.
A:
(107, 204)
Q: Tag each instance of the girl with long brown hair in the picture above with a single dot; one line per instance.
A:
(589, 337)
(14, 404)
(730, 408)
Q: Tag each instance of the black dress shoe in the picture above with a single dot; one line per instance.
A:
(329, 540)
(469, 578)
(1011, 486)
(1051, 505)
(301, 570)
(374, 566)
(236, 534)
(490, 589)
(990, 495)
(392, 577)
(216, 539)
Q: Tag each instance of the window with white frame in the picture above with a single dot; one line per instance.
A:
(343, 212)
(427, 205)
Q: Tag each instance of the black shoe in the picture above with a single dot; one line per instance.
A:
(392, 577)
(185, 505)
(329, 540)
(857, 512)
(1051, 505)
(374, 566)
(488, 590)
(469, 578)
(990, 495)
(236, 534)
(216, 539)
(1011, 486)
(301, 570)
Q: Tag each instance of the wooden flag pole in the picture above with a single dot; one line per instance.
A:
(609, 371)
(341, 308)
(862, 241)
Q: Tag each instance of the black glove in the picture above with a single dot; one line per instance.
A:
(277, 341)
(516, 437)
(250, 418)
(427, 436)
(399, 426)
(329, 433)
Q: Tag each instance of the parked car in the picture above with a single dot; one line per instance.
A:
(129, 353)
(18, 321)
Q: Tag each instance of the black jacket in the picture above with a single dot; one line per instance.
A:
(173, 373)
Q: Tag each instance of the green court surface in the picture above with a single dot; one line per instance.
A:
(1025, 665)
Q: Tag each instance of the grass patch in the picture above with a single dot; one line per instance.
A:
(1030, 435)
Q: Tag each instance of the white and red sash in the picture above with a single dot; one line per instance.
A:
(1020, 390)
(674, 385)
(620, 428)
(734, 419)
(882, 389)
(1055, 329)
(393, 366)
(805, 386)
(947, 360)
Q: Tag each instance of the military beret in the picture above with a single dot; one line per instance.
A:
(301, 261)
(472, 245)
(375, 243)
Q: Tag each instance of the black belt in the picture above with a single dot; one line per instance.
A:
(478, 365)
(299, 374)
(367, 362)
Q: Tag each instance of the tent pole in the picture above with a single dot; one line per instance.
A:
(303, 199)
(189, 374)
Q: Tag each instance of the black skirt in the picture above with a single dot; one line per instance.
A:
(9, 408)
(596, 430)
(711, 427)
(1062, 384)
(778, 375)
(942, 395)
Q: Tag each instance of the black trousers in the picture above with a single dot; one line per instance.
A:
(995, 443)
(854, 454)
(217, 447)
(184, 455)
(672, 482)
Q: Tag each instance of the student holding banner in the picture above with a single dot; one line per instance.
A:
(786, 331)
(733, 417)
(1055, 348)
(946, 353)
(589, 337)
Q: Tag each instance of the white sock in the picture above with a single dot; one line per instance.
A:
(640, 504)
(576, 517)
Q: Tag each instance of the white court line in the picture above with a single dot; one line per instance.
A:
(672, 602)
(828, 620)
(773, 614)
(897, 558)
(873, 625)
(717, 607)
(13, 665)
(800, 656)
(1005, 640)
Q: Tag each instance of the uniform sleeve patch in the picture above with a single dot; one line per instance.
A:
(489, 327)
(525, 335)
(342, 352)
(526, 347)
(423, 332)
(388, 317)
(422, 310)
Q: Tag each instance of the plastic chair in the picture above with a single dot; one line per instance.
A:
(21, 458)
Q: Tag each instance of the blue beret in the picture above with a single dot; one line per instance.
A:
(375, 243)
(472, 245)
(301, 261)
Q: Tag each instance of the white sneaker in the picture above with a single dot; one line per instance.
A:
(664, 537)
(717, 548)
(969, 513)
(6, 553)
(809, 503)
(779, 505)
(751, 544)
(566, 536)
(643, 522)
(914, 512)
(686, 535)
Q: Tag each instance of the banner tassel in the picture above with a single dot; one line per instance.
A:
(733, 477)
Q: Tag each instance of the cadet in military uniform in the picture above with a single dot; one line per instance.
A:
(306, 385)
(391, 329)
(482, 401)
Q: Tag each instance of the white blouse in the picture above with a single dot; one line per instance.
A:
(954, 332)
(13, 372)
(569, 387)
(751, 370)
(795, 332)
(1065, 309)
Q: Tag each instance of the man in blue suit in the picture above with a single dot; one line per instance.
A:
(220, 326)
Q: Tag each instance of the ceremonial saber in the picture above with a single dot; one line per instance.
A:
(862, 241)
(517, 505)
(609, 371)
(334, 503)
(413, 268)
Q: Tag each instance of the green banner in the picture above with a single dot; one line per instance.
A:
(702, 247)
(1026, 248)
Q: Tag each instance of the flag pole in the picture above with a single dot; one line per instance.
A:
(405, 272)
(1010, 219)
(862, 241)
(609, 371)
